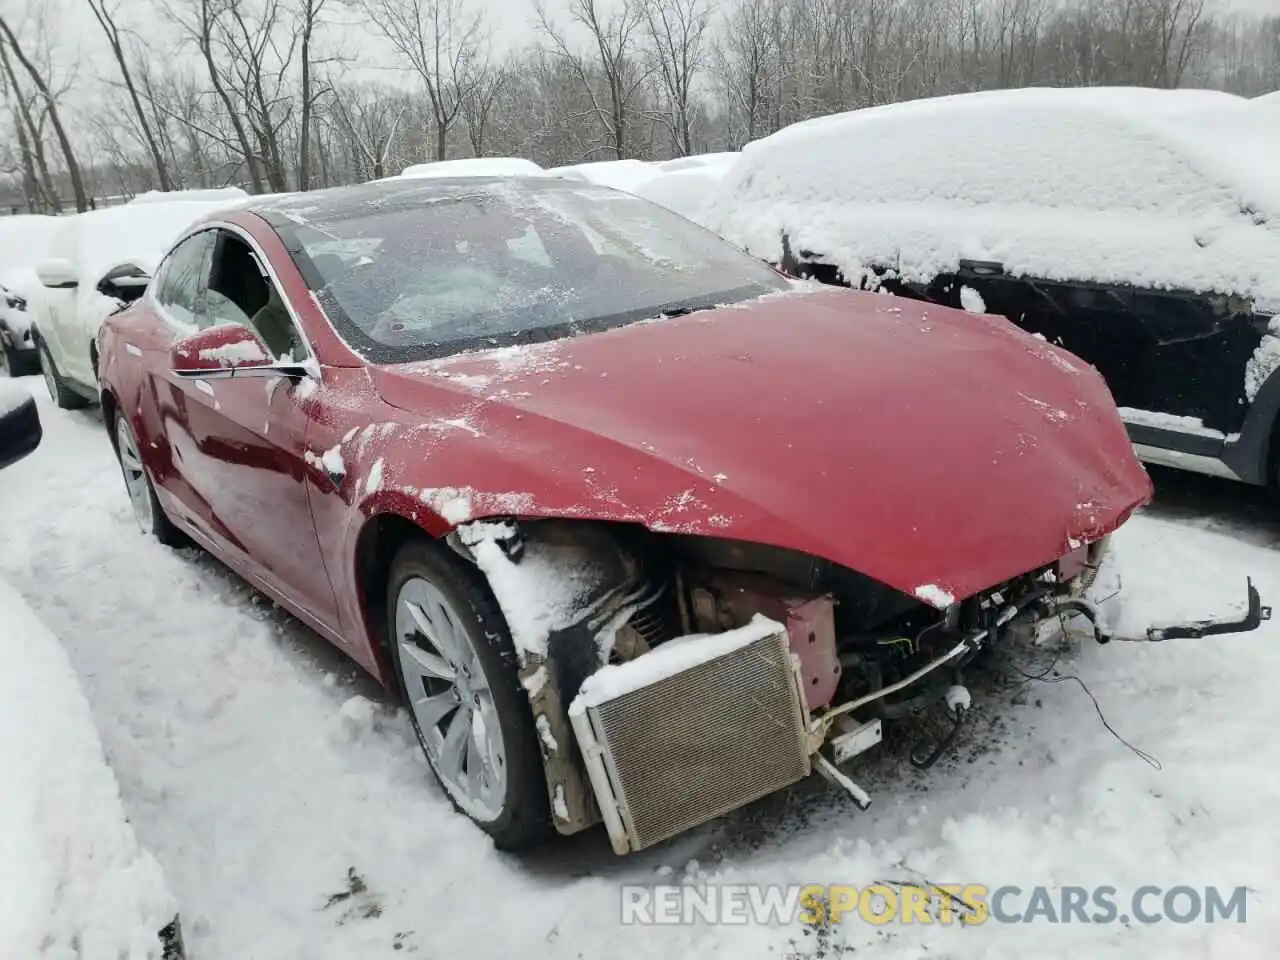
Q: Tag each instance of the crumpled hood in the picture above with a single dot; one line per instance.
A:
(937, 451)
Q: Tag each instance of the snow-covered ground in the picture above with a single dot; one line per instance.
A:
(294, 818)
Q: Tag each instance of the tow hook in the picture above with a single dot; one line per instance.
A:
(958, 702)
(1254, 615)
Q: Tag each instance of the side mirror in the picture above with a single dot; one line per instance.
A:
(57, 273)
(126, 283)
(20, 430)
(219, 351)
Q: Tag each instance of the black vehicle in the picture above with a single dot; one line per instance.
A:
(1137, 229)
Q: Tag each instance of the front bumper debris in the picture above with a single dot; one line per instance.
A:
(1255, 614)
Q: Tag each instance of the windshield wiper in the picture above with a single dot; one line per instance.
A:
(684, 311)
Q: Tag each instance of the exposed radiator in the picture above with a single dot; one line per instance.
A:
(693, 745)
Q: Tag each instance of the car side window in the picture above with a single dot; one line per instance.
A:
(242, 292)
(179, 282)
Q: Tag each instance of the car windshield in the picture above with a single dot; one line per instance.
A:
(415, 275)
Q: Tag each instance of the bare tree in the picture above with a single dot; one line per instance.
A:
(371, 119)
(617, 61)
(309, 12)
(445, 44)
(106, 19)
(479, 102)
(42, 86)
(676, 31)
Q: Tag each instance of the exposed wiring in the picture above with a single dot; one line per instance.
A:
(1043, 677)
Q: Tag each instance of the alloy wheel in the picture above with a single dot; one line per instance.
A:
(451, 699)
(135, 476)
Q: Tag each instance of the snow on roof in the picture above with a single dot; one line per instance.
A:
(628, 175)
(24, 242)
(685, 191)
(1166, 189)
(182, 196)
(476, 167)
(74, 876)
(721, 161)
(98, 240)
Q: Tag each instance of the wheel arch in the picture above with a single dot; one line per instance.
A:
(377, 542)
(109, 403)
(1255, 455)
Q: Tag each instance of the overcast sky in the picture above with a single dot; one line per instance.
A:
(81, 48)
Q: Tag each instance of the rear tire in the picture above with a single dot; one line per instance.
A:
(147, 511)
(501, 787)
(62, 395)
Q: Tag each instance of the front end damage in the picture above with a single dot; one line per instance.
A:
(685, 676)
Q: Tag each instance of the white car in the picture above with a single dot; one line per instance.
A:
(97, 262)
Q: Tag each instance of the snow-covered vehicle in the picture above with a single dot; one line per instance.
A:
(96, 262)
(76, 881)
(475, 167)
(17, 345)
(1140, 229)
(641, 529)
(23, 241)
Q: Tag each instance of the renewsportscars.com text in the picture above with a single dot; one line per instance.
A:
(942, 903)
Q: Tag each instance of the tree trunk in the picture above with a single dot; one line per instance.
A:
(113, 38)
(36, 141)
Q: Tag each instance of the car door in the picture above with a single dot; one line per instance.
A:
(247, 434)
(175, 298)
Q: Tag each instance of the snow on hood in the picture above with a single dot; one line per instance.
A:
(75, 881)
(1164, 189)
(476, 167)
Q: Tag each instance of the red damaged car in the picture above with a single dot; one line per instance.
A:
(641, 529)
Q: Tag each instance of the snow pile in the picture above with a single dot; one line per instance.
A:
(1164, 189)
(1270, 99)
(627, 175)
(75, 881)
(675, 656)
(476, 167)
(546, 590)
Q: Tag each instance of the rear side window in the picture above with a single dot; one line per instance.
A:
(180, 280)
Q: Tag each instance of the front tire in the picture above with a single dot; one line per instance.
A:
(147, 511)
(62, 395)
(457, 670)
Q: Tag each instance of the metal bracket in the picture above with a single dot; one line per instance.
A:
(1253, 618)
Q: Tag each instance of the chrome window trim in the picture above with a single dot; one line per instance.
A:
(240, 233)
